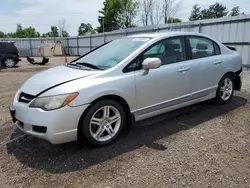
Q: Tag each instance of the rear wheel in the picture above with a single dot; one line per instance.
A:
(103, 122)
(9, 63)
(225, 90)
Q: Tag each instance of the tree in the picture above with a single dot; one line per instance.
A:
(19, 32)
(170, 8)
(235, 11)
(54, 31)
(109, 16)
(216, 10)
(29, 32)
(63, 27)
(156, 13)
(174, 20)
(196, 13)
(85, 28)
(127, 12)
(64, 34)
(146, 11)
(2, 34)
(117, 14)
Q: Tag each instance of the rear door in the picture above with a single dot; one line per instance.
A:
(207, 66)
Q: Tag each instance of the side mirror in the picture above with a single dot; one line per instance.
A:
(150, 63)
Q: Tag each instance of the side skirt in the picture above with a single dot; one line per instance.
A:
(140, 116)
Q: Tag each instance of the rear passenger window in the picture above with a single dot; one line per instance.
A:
(11, 48)
(202, 47)
(216, 49)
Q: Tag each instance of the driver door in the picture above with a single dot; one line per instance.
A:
(168, 85)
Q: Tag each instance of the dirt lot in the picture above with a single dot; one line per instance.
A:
(204, 145)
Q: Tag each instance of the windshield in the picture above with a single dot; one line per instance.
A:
(112, 53)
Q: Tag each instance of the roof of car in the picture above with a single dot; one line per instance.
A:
(170, 33)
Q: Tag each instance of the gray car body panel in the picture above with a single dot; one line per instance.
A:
(52, 77)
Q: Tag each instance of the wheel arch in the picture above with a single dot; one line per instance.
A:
(236, 79)
(117, 98)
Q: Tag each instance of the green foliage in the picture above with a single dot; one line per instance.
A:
(85, 28)
(53, 33)
(216, 10)
(127, 13)
(117, 14)
(2, 35)
(235, 11)
(64, 34)
(174, 20)
(109, 14)
(196, 13)
(29, 32)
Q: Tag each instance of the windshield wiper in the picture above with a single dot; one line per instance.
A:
(90, 65)
(77, 66)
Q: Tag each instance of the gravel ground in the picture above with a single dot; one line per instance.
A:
(204, 145)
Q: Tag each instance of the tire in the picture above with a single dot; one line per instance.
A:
(225, 89)
(1, 65)
(9, 63)
(102, 130)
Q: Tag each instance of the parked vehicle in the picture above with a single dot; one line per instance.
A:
(9, 54)
(126, 80)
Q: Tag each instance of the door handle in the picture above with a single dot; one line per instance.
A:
(217, 62)
(183, 69)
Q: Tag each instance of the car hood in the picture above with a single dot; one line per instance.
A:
(53, 77)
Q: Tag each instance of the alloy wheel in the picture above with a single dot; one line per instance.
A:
(105, 123)
(226, 89)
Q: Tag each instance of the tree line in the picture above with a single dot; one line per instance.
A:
(121, 14)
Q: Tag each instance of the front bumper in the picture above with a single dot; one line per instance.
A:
(60, 125)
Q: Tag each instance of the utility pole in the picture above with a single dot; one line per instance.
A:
(103, 28)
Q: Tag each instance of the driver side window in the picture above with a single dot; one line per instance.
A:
(170, 50)
(157, 49)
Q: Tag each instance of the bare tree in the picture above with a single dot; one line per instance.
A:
(156, 13)
(170, 8)
(63, 28)
(146, 10)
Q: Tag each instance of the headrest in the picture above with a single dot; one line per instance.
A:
(176, 46)
(171, 46)
(201, 46)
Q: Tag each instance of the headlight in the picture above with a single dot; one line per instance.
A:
(53, 102)
(17, 95)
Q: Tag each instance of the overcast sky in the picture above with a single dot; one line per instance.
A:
(41, 14)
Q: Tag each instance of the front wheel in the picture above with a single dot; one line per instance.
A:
(103, 122)
(225, 89)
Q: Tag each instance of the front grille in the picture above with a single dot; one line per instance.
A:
(39, 129)
(25, 98)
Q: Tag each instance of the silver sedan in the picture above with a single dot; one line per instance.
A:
(130, 79)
